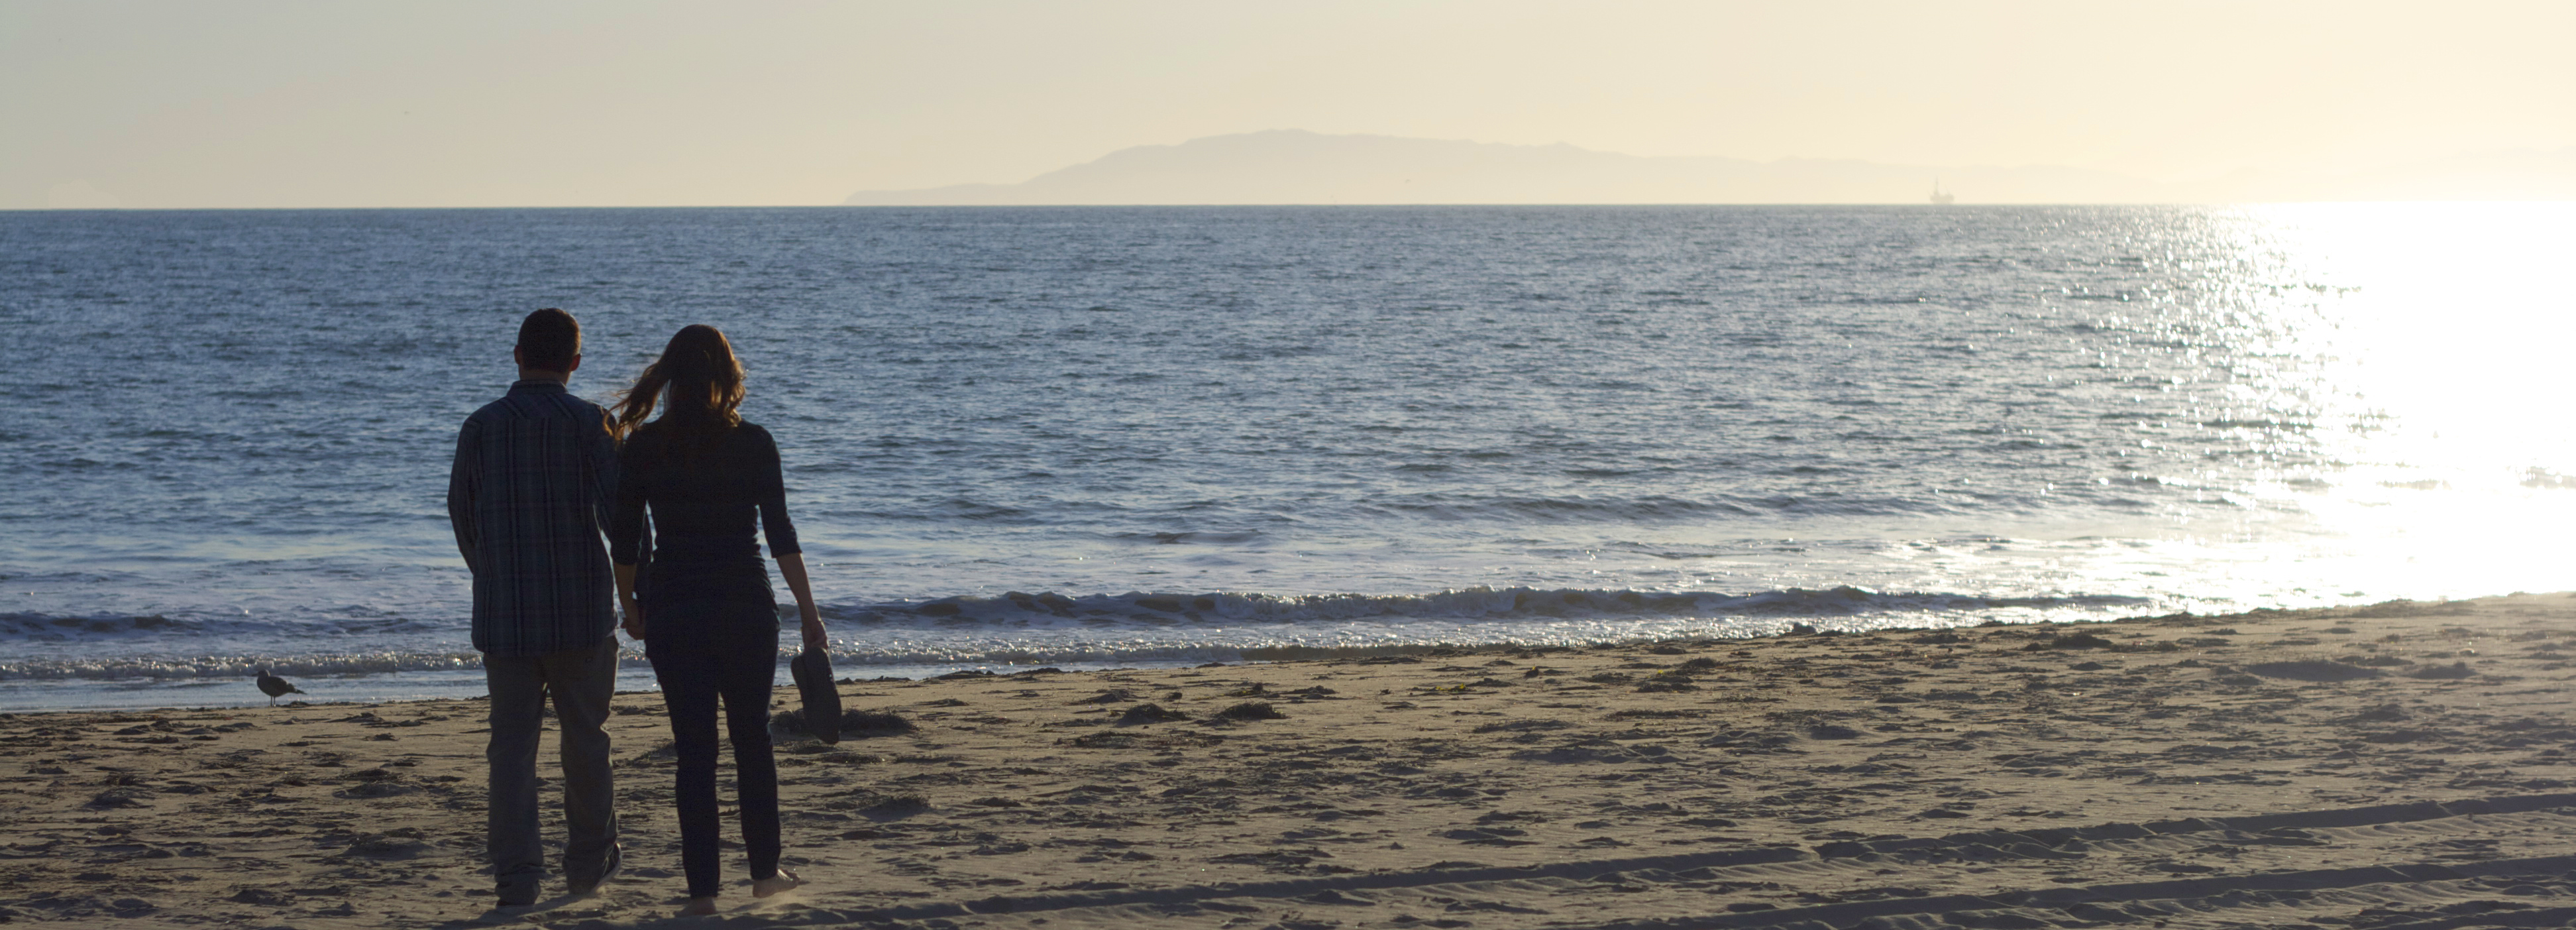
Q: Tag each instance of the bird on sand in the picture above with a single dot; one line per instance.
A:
(275, 687)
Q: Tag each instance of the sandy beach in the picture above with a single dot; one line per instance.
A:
(2398, 765)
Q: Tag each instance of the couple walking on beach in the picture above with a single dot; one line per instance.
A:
(540, 476)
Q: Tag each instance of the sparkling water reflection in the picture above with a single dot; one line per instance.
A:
(238, 422)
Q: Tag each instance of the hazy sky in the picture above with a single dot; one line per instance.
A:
(267, 104)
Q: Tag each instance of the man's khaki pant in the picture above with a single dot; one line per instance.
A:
(581, 681)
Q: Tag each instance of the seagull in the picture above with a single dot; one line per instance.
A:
(275, 687)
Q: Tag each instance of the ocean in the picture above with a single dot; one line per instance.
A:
(1091, 437)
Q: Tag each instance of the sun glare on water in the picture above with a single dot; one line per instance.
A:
(2420, 353)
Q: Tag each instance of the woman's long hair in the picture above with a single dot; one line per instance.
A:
(702, 382)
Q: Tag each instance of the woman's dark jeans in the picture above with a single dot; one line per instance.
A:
(704, 648)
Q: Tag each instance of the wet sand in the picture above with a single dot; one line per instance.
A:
(2397, 765)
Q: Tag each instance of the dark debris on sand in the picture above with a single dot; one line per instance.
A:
(1151, 713)
(855, 724)
(1251, 710)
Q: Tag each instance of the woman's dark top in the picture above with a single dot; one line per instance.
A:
(704, 502)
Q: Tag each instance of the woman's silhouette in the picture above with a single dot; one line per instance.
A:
(706, 615)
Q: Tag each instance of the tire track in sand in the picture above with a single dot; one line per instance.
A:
(2449, 873)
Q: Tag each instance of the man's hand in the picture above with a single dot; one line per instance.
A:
(634, 625)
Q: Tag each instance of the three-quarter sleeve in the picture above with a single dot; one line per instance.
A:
(626, 528)
(772, 488)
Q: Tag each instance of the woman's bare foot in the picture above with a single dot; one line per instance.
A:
(764, 887)
(699, 907)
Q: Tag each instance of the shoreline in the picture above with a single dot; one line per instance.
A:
(460, 674)
(1019, 631)
(1831, 777)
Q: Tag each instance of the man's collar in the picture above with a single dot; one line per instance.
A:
(537, 384)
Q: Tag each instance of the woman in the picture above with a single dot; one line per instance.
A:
(706, 615)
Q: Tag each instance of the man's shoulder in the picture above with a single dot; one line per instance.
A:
(524, 406)
(496, 410)
(580, 409)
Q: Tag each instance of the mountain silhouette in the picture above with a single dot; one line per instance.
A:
(1290, 166)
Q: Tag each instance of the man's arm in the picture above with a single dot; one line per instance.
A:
(460, 493)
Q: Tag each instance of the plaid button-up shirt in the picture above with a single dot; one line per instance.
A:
(529, 495)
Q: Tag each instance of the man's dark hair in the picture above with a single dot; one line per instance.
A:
(549, 339)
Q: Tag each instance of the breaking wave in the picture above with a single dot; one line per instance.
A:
(125, 668)
(1477, 603)
(41, 627)
(1019, 629)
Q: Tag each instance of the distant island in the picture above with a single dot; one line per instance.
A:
(1291, 166)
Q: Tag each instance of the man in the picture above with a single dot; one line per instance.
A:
(529, 496)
